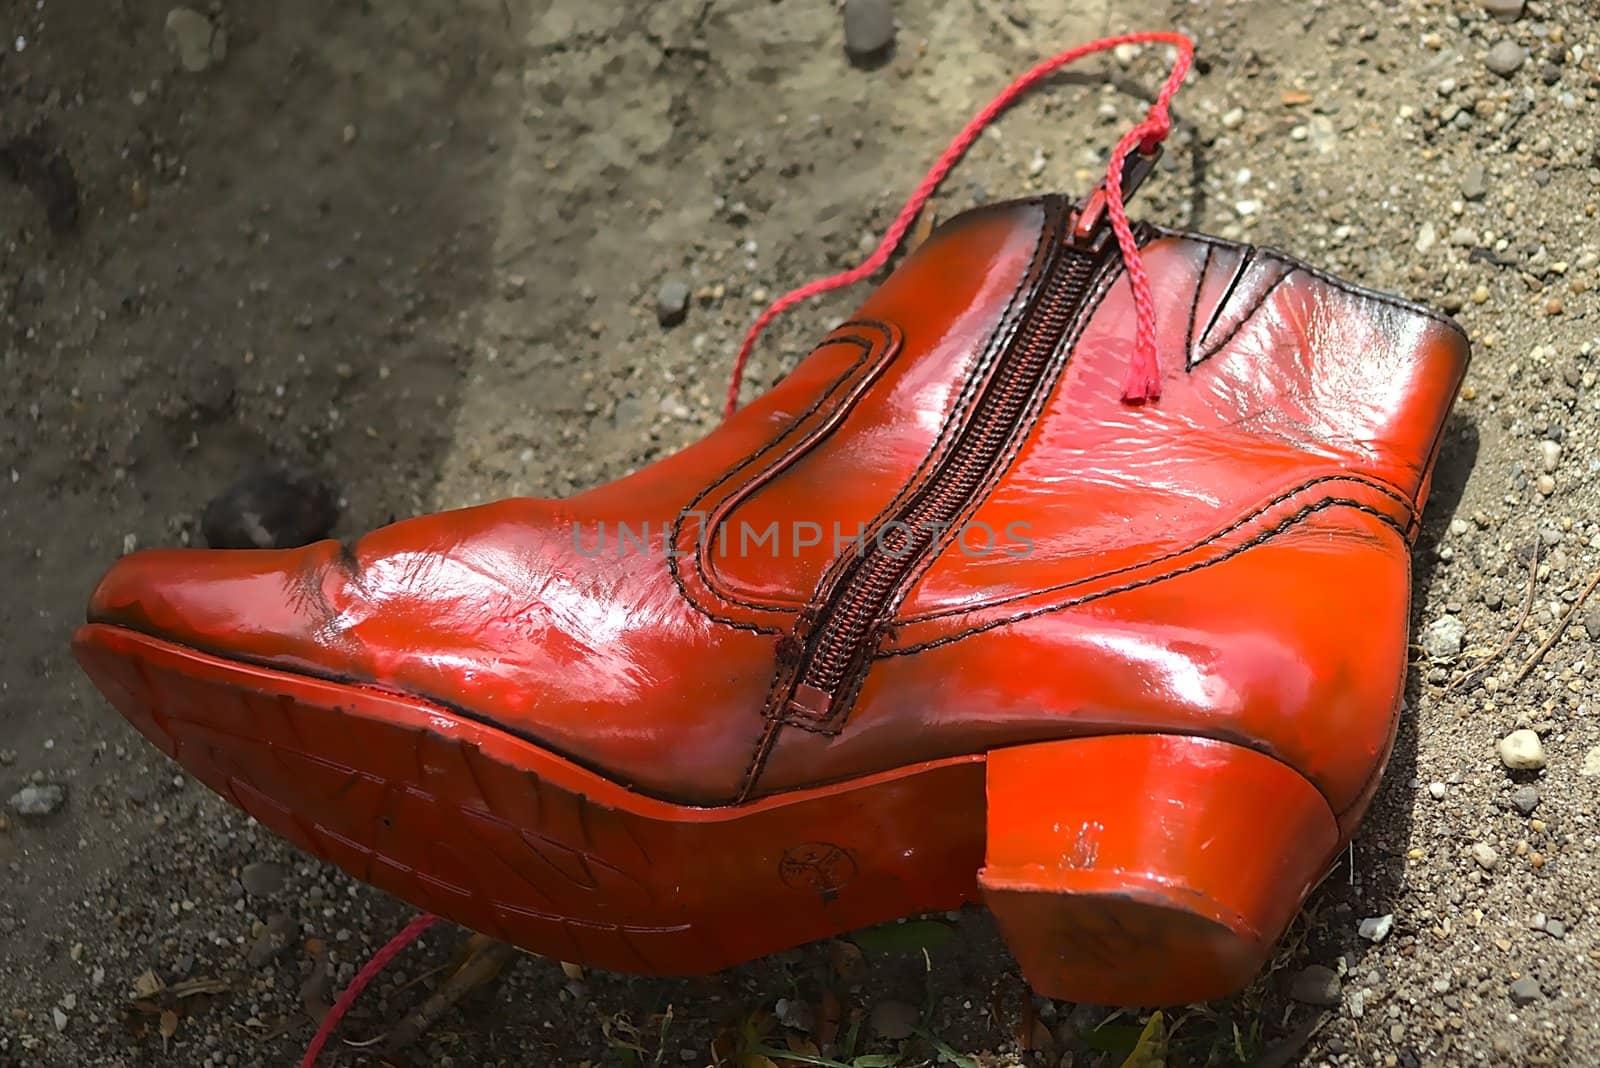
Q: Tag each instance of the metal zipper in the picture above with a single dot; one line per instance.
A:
(846, 626)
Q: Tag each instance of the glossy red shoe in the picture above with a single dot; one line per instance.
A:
(937, 618)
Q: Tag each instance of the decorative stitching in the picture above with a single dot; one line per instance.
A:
(889, 349)
(677, 526)
(1228, 554)
(758, 759)
(1249, 315)
(1209, 539)
(1194, 308)
(1322, 276)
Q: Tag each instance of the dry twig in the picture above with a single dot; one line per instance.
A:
(1476, 672)
(487, 960)
(1555, 635)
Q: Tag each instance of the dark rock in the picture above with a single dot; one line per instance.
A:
(868, 28)
(1525, 799)
(273, 939)
(894, 1019)
(672, 302)
(271, 506)
(1316, 985)
(262, 879)
(1525, 991)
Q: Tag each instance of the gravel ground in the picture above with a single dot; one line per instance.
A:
(427, 250)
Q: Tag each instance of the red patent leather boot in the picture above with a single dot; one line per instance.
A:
(938, 618)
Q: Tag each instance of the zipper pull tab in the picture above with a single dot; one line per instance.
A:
(811, 701)
(1089, 230)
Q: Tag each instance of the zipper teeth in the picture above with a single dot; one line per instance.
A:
(857, 607)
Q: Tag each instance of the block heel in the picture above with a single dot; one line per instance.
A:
(1148, 869)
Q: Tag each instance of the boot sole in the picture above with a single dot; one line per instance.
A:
(1130, 869)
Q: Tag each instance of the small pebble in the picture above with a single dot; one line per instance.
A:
(1427, 237)
(1505, 58)
(1377, 928)
(1475, 182)
(1545, 485)
(195, 42)
(672, 302)
(38, 800)
(1485, 855)
(1549, 455)
(1555, 929)
(1525, 991)
(1525, 799)
(1437, 790)
(1442, 638)
(262, 879)
(1591, 764)
(1315, 984)
(1521, 750)
(868, 28)
(1504, 10)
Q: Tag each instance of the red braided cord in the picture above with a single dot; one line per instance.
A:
(367, 974)
(1143, 372)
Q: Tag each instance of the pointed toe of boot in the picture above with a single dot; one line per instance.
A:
(250, 604)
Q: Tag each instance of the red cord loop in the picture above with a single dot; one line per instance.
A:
(369, 971)
(1144, 372)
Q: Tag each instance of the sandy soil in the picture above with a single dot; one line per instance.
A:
(417, 246)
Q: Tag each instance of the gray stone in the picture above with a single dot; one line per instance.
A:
(1504, 10)
(1485, 855)
(1591, 623)
(1591, 764)
(273, 939)
(44, 799)
(868, 28)
(1505, 58)
(196, 43)
(262, 879)
(1315, 985)
(1525, 799)
(1525, 991)
(1475, 182)
(1441, 640)
(672, 302)
(1555, 929)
